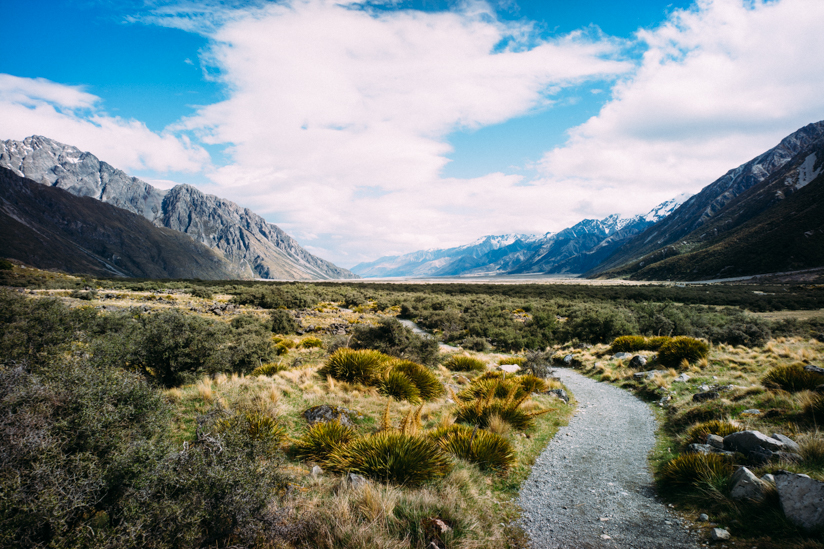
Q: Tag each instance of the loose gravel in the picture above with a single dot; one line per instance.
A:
(592, 487)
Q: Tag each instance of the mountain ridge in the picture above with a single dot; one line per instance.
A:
(257, 248)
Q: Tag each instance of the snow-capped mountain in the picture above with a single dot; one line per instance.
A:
(572, 250)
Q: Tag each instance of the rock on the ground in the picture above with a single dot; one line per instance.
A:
(638, 361)
(356, 481)
(814, 369)
(509, 368)
(683, 378)
(719, 534)
(316, 471)
(703, 517)
(802, 499)
(621, 356)
(791, 445)
(715, 441)
(745, 485)
(707, 449)
(325, 413)
(768, 478)
(748, 442)
(561, 394)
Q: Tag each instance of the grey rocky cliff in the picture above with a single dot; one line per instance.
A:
(255, 248)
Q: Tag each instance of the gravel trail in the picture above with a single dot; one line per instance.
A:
(591, 487)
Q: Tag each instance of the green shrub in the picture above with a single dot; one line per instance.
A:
(424, 379)
(321, 439)
(6, 265)
(269, 369)
(793, 378)
(399, 386)
(479, 344)
(519, 360)
(392, 456)
(201, 292)
(488, 450)
(393, 338)
(463, 363)
(282, 348)
(283, 322)
(364, 366)
(698, 433)
(690, 470)
(311, 343)
(656, 342)
(681, 348)
(628, 344)
(256, 426)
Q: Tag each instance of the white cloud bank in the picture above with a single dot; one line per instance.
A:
(35, 106)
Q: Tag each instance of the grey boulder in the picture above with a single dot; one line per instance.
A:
(748, 442)
(802, 499)
(745, 485)
(638, 361)
(788, 442)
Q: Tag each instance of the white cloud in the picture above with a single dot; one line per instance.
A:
(718, 85)
(325, 100)
(35, 106)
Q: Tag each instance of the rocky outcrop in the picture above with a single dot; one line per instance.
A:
(253, 247)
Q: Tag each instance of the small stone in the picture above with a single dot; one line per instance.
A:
(621, 356)
(604, 519)
(604, 536)
(561, 394)
(683, 378)
(814, 369)
(768, 478)
(751, 412)
(356, 481)
(638, 361)
(704, 388)
(703, 517)
(316, 471)
(509, 368)
(719, 534)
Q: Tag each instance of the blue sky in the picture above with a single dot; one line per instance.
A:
(381, 129)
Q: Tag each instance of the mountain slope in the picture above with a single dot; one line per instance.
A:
(775, 226)
(258, 249)
(701, 210)
(50, 228)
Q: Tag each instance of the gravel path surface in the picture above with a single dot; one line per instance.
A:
(592, 487)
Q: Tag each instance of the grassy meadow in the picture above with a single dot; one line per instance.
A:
(170, 413)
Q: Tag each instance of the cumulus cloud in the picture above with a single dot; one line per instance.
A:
(717, 85)
(327, 99)
(35, 106)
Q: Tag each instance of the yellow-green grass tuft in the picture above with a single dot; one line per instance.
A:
(321, 439)
(628, 344)
(423, 378)
(363, 366)
(463, 363)
(519, 360)
(392, 456)
(698, 433)
(311, 343)
(682, 349)
(793, 378)
(480, 411)
(256, 426)
(489, 450)
(501, 386)
(398, 385)
(815, 408)
(690, 470)
(269, 369)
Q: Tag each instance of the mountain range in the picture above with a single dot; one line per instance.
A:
(572, 250)
(249, 246)
(765, 216)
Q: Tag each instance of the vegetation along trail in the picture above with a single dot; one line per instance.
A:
(592, 487)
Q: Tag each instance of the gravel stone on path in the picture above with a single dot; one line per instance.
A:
(591, 487)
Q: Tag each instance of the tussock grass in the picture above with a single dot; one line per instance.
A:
(487, 449)
(364, 366)
(464, 363)
(321, 439)
(679, 349)
(691, 470)
(793, 377)
(698, 433)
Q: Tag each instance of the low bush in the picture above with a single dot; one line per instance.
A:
(682, 348)
(6, 265)
(283, 322)
(793, 378)
(489, 450)
(256, 426)
(463, 363)
(519, 360)
(691, 470)
(363, 366)
(628, 344)
(474, 343)
(269, 369)
(321, 439)
(422, 377)
(311, 343)
(398, 385)
(698, 433)
(392, 456)
(393, 338)
(201, 292)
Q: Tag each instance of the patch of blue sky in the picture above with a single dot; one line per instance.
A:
(148, 73)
